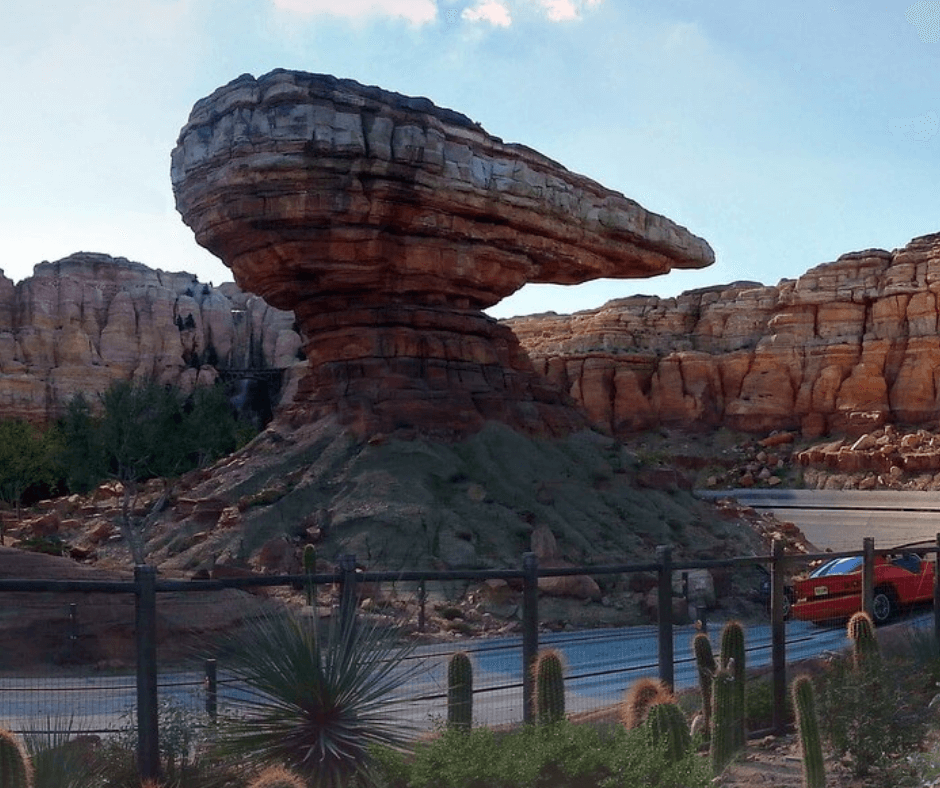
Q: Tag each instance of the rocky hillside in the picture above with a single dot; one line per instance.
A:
(847, 347)
(82, 322)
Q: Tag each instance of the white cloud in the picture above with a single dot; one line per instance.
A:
(925, 16)
(417, 12)
(918, 129)
(490, 11)
(567, 10)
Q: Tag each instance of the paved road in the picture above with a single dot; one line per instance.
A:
(601, 664)
(840, 520)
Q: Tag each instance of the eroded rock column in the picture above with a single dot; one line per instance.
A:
(388, 225)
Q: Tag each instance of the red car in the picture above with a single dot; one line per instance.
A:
(834, 589)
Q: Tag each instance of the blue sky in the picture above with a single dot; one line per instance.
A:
(784, 134)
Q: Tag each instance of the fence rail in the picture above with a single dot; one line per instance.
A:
(146, 586)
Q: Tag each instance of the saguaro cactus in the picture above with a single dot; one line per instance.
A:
(723, 744)
(705, 662)
(277, 777)
(804, 702)
(640, 698)
(549, 687)
(16, 770)
(861, 631)
(667, 726)
(310, 568)
(733, 658)
(459, 692)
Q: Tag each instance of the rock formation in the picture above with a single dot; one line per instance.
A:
(388, 224)
(847, 347)
(82, 322)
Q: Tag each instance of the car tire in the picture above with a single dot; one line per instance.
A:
(884, 605)
(787, 604)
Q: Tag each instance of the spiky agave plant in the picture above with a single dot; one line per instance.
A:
(316, 701)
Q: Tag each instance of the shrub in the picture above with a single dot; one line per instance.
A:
(868, 715)
(316, 701)
(563, 755)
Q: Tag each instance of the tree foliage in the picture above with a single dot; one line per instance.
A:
(138, 431)
(28, 458)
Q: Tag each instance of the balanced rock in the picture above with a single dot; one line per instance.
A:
(388, 224)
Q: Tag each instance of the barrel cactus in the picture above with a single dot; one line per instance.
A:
(804, 702)
(459, 692)
(549, 687)
(16, 771)
(277, 777)
(733, 658)
(643, 694)
(861, 631)
(668, 728)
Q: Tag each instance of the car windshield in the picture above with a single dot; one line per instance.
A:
(838, 566)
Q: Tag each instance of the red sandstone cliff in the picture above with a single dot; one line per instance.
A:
(846, 347)
(80, 323)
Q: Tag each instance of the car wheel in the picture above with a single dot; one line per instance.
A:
(787, 603)
(883, 605)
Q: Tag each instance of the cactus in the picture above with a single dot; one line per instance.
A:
(549, 687)
(643, 694)
(310, 568)
(804, 702)
(459, 692)
(705, 661)
(723, 744)
(16, 770)
(277, 777)
(668, 728)
(733, 658)
(861, 631)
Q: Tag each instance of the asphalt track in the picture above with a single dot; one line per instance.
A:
(840, 520)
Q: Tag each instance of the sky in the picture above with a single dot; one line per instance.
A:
(785, 134)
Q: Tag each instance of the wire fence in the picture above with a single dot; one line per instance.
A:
(80, 655)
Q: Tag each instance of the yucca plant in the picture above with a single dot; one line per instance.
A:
(316, 701)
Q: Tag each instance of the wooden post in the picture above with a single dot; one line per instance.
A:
(778, 638)
(936, 592)
(666, 668)
(868, 573)
(212, 690)
(348, 592)
(148, 747)
(422, 603)
(530, 632)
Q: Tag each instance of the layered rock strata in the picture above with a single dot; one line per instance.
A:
(81, 323)
(847, 347)
(388, 224)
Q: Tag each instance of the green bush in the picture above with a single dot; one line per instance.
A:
(562, 755)
(870, 716)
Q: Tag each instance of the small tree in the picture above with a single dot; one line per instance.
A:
(27, 458)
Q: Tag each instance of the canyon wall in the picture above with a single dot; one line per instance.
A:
(82, 322)
(847, 347)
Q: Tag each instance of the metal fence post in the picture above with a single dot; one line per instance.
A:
(348, 591)
(666, 668)
(778, 637)
(148, 748)
(530, 632)
(422, 601)
(868, 573)
(212, 690)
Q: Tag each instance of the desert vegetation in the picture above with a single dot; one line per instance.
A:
(134, 432)
(316, 714)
